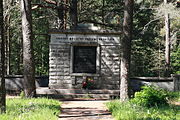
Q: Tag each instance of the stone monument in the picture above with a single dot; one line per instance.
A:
(77, 56)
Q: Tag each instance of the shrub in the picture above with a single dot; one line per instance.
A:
(151, 96)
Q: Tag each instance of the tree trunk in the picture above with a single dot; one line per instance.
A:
(167, 43)
(2, 58)
(28, 59)
(103, 12)
(8, 5)
(61, 10)
(65, 13)
(126, 49)
(8, 50)
(73, 13)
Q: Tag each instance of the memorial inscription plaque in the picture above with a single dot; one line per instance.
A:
(84, 59)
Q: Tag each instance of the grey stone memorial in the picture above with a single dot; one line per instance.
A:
(78, 55)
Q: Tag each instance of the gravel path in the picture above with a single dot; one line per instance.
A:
(84, 110)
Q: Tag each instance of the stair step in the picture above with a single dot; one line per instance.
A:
(77, 93)
(71, 96)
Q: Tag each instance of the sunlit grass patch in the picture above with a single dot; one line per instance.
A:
(129, 111)
(151, 103)
(31, 109)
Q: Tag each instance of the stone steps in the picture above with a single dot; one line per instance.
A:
(77, 93)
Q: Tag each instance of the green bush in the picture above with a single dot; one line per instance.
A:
(151, 103)
(151, 96)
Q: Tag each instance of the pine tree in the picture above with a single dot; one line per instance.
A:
(28, 60)
(126, 49)
(2, 57)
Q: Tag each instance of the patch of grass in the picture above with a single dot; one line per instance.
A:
(130, 111)
(175, 96)
(31, 109)
(150, 103)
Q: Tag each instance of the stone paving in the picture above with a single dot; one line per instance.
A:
(84, 110)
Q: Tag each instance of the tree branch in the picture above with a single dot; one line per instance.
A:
(146, 26)
(55, 3)
(35, 6)
(99, 23)
(51, 2)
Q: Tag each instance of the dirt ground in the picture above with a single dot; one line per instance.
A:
(85, 110)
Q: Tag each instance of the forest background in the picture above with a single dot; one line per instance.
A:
(148, 44)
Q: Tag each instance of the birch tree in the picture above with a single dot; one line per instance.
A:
(167, 42)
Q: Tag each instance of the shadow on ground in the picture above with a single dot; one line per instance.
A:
(82, 112)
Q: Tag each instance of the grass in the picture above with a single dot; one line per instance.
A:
(131, 111)
(31, 109)
(176, 97)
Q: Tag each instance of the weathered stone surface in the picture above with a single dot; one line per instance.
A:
(107, 61)
(176, 81)
(110, 67)
(14, 83)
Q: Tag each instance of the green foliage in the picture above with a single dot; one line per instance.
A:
(176, 59)
(15, 39)
(151, 96)
(169, 8)
(41, 24)
(147, 54)
(105, 13)
(41, 54)
(129, 111)
(22, 94)
(40, 42)
(175, 96)
(31, 109)
(148, 40)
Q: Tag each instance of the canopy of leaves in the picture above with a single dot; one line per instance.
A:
(148, 34)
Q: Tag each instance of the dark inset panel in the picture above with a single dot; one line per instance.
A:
(84, 60)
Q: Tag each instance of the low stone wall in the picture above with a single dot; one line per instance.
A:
(15, 82)
(138, 82)
(176, 81)
(168, 83)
